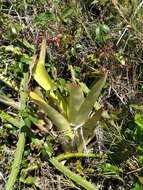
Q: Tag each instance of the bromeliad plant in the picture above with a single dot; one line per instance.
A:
(73, 116)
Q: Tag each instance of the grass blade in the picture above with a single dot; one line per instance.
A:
(70, 155)
(16, 162)
(22, 136)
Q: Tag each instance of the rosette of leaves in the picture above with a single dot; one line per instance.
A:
(72, 118)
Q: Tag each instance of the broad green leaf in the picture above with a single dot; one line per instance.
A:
(60, 122)
(60, 100)
(37, 90)
(48, 149)
(105, 28)
(140, 179)
(44, 80)
(90, 100)
(40, 74)
(61, 103)
(98, 33)
(88, 130)
(73, 176)
(137, 187)
(89, 126)
(139, 120)
(76, 98)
